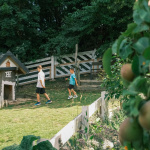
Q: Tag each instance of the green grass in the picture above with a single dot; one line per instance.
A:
(46, 120)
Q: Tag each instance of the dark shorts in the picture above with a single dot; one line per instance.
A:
(40, 90)
(71, 86)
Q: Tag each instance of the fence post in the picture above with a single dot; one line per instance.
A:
(85, 119)
(94, 59)
(76, 55)
(17, 85)
(93, 54)
(78, 72)
(104, 106)
(52, 67)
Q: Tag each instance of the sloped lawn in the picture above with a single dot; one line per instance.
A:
(23, 118)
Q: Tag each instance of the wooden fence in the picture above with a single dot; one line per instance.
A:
(80, 122)
(55, 67)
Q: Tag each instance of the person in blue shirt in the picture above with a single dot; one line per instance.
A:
(72, 83)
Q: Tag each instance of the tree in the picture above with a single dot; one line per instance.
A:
(19, 27)
(35, 29)
(93, 26)
(133, 46)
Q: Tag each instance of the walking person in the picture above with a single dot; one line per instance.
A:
(72, 83)
(41, 86)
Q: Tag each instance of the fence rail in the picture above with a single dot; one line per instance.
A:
(80, 122)
(54, 67)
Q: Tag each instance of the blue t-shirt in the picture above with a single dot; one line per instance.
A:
(72, 79)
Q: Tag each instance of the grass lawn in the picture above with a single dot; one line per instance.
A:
(24, 118)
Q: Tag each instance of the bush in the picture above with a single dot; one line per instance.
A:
(133, 46)
(27, 144)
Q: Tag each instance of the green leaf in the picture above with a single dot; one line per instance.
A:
(136, 17)
(125, 83)
(45, 145)
(125, 49)
(114, 47)
(146, 53)
(135, 65)
(142, 44)
(130, 29)
(139, 85)
(120, 39)
(141, 28)
(91, 138)
(142, 63)
(107, 62)
(134, 112)
(128, 92)
(27, 141)
(145, 15)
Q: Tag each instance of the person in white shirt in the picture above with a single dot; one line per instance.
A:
(41, 86)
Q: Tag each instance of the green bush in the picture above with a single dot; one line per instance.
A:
(27, 144)
(133, 46)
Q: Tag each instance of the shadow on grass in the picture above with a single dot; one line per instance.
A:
(57, 91)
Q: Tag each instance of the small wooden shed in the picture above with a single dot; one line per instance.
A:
(10, 66)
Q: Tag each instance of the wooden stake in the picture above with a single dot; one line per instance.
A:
(78, 72)
(17, 76)
(76, 55)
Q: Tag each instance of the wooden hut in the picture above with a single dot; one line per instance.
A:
(10, 66)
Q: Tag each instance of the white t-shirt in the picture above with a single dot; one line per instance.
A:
(41, 76)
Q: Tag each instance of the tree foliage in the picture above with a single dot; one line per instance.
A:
(133, 46)
(35, 29)
(27, 144)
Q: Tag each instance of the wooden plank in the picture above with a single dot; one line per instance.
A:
(31, 76)
(92, 81)
(94, 107)
(83, 57)
(78, 72)
(76, 55)
(66, 75)
(88, 111)
(86, 66)
(104, 107)
(43, 68)
(65, 56)
(73, 126)
(67, 64)
(38, 60)
(68, 59)
(68, 71)
(35, 65)
(61, 73)
(67, 132)
(85, 119)
(80, 53)
(30, 82)
(86, 52)
(2, 102)
(52, 67)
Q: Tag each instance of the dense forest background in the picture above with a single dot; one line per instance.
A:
(39, 28)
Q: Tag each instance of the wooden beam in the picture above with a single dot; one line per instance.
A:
(76, 55)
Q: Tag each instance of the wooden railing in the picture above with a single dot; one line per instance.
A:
(80, 122)
(54, 67)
